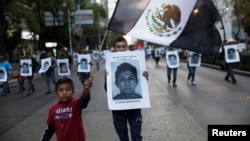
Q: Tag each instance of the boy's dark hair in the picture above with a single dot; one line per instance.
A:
(63, 81)
(25, 64)
(120, 39)
(125, 67)
(84, 60)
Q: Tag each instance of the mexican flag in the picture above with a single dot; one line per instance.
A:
(186, 24)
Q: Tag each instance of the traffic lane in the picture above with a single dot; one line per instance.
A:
(16, 107)
(211, 100)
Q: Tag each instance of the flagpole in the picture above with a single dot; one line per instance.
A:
(100, 48)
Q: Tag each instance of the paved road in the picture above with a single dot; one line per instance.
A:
(176, 114)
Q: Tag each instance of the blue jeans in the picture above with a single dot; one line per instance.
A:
(191, 72)
(6, 87)
(21, 87)
(230, 72)
(122, 117)
(31, 87)
(169, 71)
(50, 76)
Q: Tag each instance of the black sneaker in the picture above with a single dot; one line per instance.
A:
(174, 85)
(234, 81)
(227, 79)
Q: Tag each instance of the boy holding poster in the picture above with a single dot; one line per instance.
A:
(131, 116)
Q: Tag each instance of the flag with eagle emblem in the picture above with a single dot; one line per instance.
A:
(179, 23)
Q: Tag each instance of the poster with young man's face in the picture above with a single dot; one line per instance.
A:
(3, 74)
(231, 53)
(46, 63)
(63, 67)
(172, 58)
(127, 88)
(83, 63)
(26, 69)
(194, 59)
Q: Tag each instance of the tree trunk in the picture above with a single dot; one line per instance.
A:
(3, 28)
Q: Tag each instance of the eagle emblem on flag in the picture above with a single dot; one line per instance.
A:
(164, 21)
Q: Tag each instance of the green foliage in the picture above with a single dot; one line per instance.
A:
(241, 9)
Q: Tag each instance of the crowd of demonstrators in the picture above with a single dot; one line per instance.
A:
(8, 68)
(121, 118)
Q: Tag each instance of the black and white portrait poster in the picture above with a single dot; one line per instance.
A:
(45, 65)
(83, 63)
(172, 58)
(231, 54)
(75, 57)
(127, 88)
(157, 52)
(95, 54)
(3, 74)
(194, 59)
(26, 69)
(63, 67)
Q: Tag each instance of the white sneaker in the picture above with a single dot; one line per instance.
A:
(193, 83)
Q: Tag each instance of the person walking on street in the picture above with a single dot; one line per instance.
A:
(121, 118)
(50, 73)
(84, 75)
(20, 80)
(191, 69)
(170, 70)
(229, 66)
(65, 116)
(65, 55)
(8, 68)
(34, 64)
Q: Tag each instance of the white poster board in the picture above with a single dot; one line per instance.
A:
(3, 74)
(46, 63)
(231, 54)
(75, 56)
(172, 58)
(127, 88)
(83, 63)
(63, 67)
(26, 68)
(194, 59)
(157, 52)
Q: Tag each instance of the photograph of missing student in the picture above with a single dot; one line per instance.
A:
(172, 58)
(46, 63)
(126, 80)
(231, 54)
(83, 63)
(3, 74)
(194, 59)
(75, 57)
(26, 69)
(63, 67)
(157, 52)
(95, 54)
(127, 88)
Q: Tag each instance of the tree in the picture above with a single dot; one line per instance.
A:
(241, 11)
